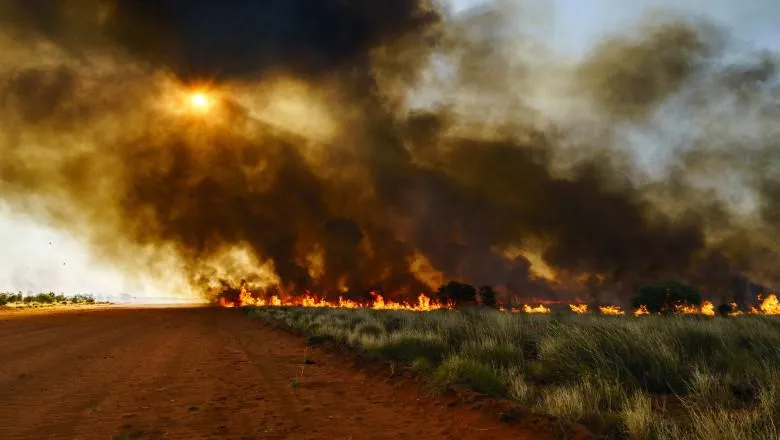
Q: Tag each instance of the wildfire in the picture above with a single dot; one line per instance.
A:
(579, 309)
(707, 309)
(245, 298)
(611, 310)
(736, 312)
(769, 305)
(538, 309)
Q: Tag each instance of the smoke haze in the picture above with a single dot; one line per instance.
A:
(388, 145)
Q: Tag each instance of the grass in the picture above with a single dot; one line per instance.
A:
(676, 377)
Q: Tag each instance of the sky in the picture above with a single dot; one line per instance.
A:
(36, 258)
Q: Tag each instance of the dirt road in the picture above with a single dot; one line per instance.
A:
(198, 374)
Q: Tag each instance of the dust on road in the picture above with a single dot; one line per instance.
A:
(201, 373)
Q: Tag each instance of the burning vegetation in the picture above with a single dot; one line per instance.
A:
(388, 147)
(452, 296)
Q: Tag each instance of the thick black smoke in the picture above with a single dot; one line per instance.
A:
(389, 196)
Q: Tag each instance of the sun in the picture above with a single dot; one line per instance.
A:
(200, 101)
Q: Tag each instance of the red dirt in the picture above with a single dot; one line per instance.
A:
(203, 373)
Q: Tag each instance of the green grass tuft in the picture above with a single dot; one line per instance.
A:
(459, 370)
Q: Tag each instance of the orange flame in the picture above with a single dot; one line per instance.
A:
(539, 309)
(688, 310)
(736, 312)
(579, 309)
(611, 310)
(245, 298)
(770, 305)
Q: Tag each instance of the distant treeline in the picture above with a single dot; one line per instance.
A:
(44, 298)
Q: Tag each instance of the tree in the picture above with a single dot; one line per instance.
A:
(726, 309)
(457, 293)
(666, 297)
(487, 297)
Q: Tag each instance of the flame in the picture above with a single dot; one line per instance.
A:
(246, 298)
(708, 309)
(688, 310)
(579, 309)
(770, 305)
(611, 310)
(736, 312)
(538, 309)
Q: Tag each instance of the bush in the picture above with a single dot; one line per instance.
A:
(487, 297)
(457, 293)
(666, 297)
(726, 309)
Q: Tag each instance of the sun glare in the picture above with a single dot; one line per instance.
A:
(200, 101)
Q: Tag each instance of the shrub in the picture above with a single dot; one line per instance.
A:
(457, 293)
(666, 297)
(726, 309)
(487, 297)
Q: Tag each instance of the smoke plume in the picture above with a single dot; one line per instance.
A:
(352, 146)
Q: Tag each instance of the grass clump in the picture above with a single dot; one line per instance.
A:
(422, 365)
(408, 346)
(460, 370)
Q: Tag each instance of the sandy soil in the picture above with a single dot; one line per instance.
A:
(198, 373)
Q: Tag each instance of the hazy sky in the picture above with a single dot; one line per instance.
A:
(35, 258)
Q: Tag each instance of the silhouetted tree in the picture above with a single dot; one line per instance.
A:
(487, 297)
(666, 297)
(726, 309)
(458, 293)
